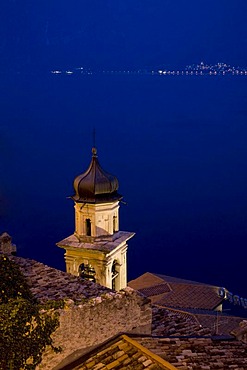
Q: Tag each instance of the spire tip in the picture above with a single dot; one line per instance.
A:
(94, 151)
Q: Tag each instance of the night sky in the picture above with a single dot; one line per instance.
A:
(120, 33)
(179, 144)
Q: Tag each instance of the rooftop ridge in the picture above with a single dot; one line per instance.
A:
(175, 280)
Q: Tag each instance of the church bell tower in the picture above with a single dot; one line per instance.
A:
(97, 250)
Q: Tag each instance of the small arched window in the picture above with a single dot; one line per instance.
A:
(115, 274)
(114, 224)
(88, 227)
(81, 269)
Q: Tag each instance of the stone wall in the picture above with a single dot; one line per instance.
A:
(93, 321)
(6, 245)
(241, 332)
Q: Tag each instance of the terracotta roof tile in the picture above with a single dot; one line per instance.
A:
(199, 353)
(191, 296)
(172, 279)
(170, 322)
(148, 352)
(155, 290)
(49, 283)
(146, 280)
(182, 294)
(118, 353)
(219, 323)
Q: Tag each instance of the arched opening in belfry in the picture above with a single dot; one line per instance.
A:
(88, 227)
(114, 224)
(87, 272)
(115, 275)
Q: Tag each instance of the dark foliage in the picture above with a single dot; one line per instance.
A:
(25, 325)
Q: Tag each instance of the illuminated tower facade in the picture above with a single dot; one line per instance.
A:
(97, 250)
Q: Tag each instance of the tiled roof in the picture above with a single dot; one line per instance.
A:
(145, 281)
(183, 307)
(119, 353)
(191, 296)
(155, 290)
(182, 294)
(47, 283)
(169, 322)
(219, 323)
(154, 353)
(172, 279)
(199, 353)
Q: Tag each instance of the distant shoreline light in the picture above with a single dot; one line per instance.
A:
(201, 69)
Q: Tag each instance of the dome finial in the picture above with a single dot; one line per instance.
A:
(94, 151)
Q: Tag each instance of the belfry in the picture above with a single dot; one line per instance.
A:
(97, 250)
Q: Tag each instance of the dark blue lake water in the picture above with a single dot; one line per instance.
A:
(176, 144)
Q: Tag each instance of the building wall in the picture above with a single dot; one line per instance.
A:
(73, 259)
(102, 264)
(93, 321)
(120, 256)
(104, 218)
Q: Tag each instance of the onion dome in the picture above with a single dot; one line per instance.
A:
(95, 185)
